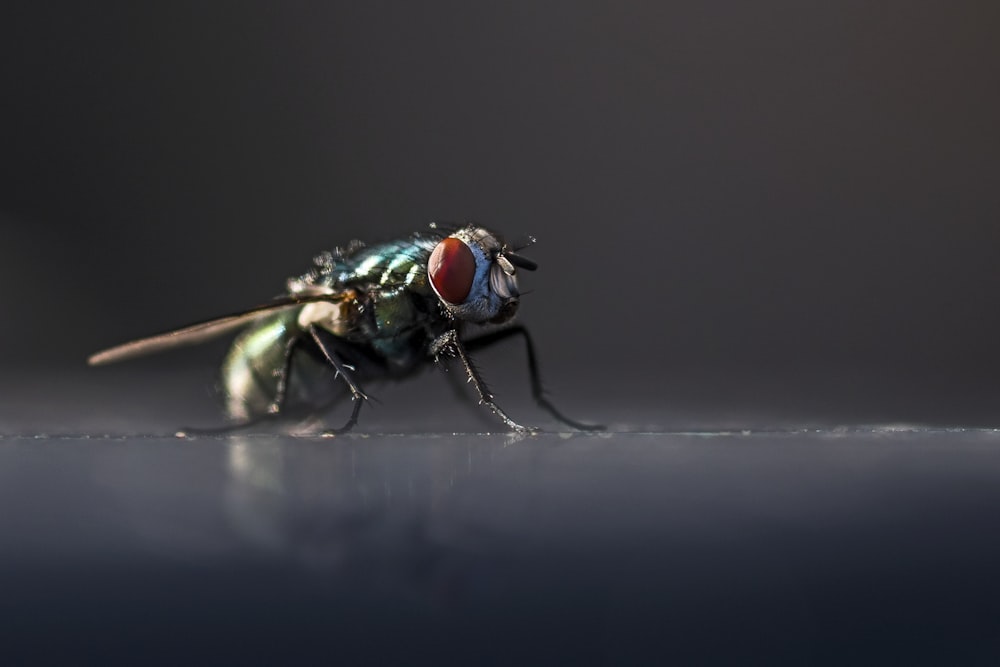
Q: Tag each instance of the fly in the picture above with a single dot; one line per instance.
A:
(370, 312)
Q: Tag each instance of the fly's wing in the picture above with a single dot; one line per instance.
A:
(204, 331)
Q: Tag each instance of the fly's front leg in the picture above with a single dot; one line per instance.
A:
(357, 396)
(449, 343)
(537, 391)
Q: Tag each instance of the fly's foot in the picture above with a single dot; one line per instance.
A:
(511, 424)
(358, 400)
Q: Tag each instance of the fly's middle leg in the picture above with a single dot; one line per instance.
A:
(537, 390)
(281, 375)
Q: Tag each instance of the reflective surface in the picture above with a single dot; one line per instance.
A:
(830, 546)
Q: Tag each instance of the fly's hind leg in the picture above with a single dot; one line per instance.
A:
(281, 375)
(343, 370)
(537, 391)
(449, 342)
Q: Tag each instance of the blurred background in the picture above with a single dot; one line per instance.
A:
(776, 195)
(751, 217)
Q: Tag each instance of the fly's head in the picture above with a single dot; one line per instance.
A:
(474, 274)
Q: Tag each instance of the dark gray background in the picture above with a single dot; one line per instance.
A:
(779, 190)
(768, 244)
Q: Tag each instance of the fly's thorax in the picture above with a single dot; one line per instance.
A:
(473, 277)
(401, 263)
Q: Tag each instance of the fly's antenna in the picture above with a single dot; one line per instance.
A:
(520, 262)
(509, 252)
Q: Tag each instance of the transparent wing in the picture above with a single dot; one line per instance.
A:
(204, 331)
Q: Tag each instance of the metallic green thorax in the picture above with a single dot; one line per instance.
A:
(385, 307)
(397, 298)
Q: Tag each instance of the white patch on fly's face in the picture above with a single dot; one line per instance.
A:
(503, 281)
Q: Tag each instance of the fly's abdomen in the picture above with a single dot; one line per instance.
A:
(254, 371)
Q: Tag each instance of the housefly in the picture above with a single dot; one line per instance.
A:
(370, 312)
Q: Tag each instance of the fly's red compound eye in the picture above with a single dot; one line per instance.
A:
(452, 268)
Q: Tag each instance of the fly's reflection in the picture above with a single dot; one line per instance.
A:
(329, 505)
